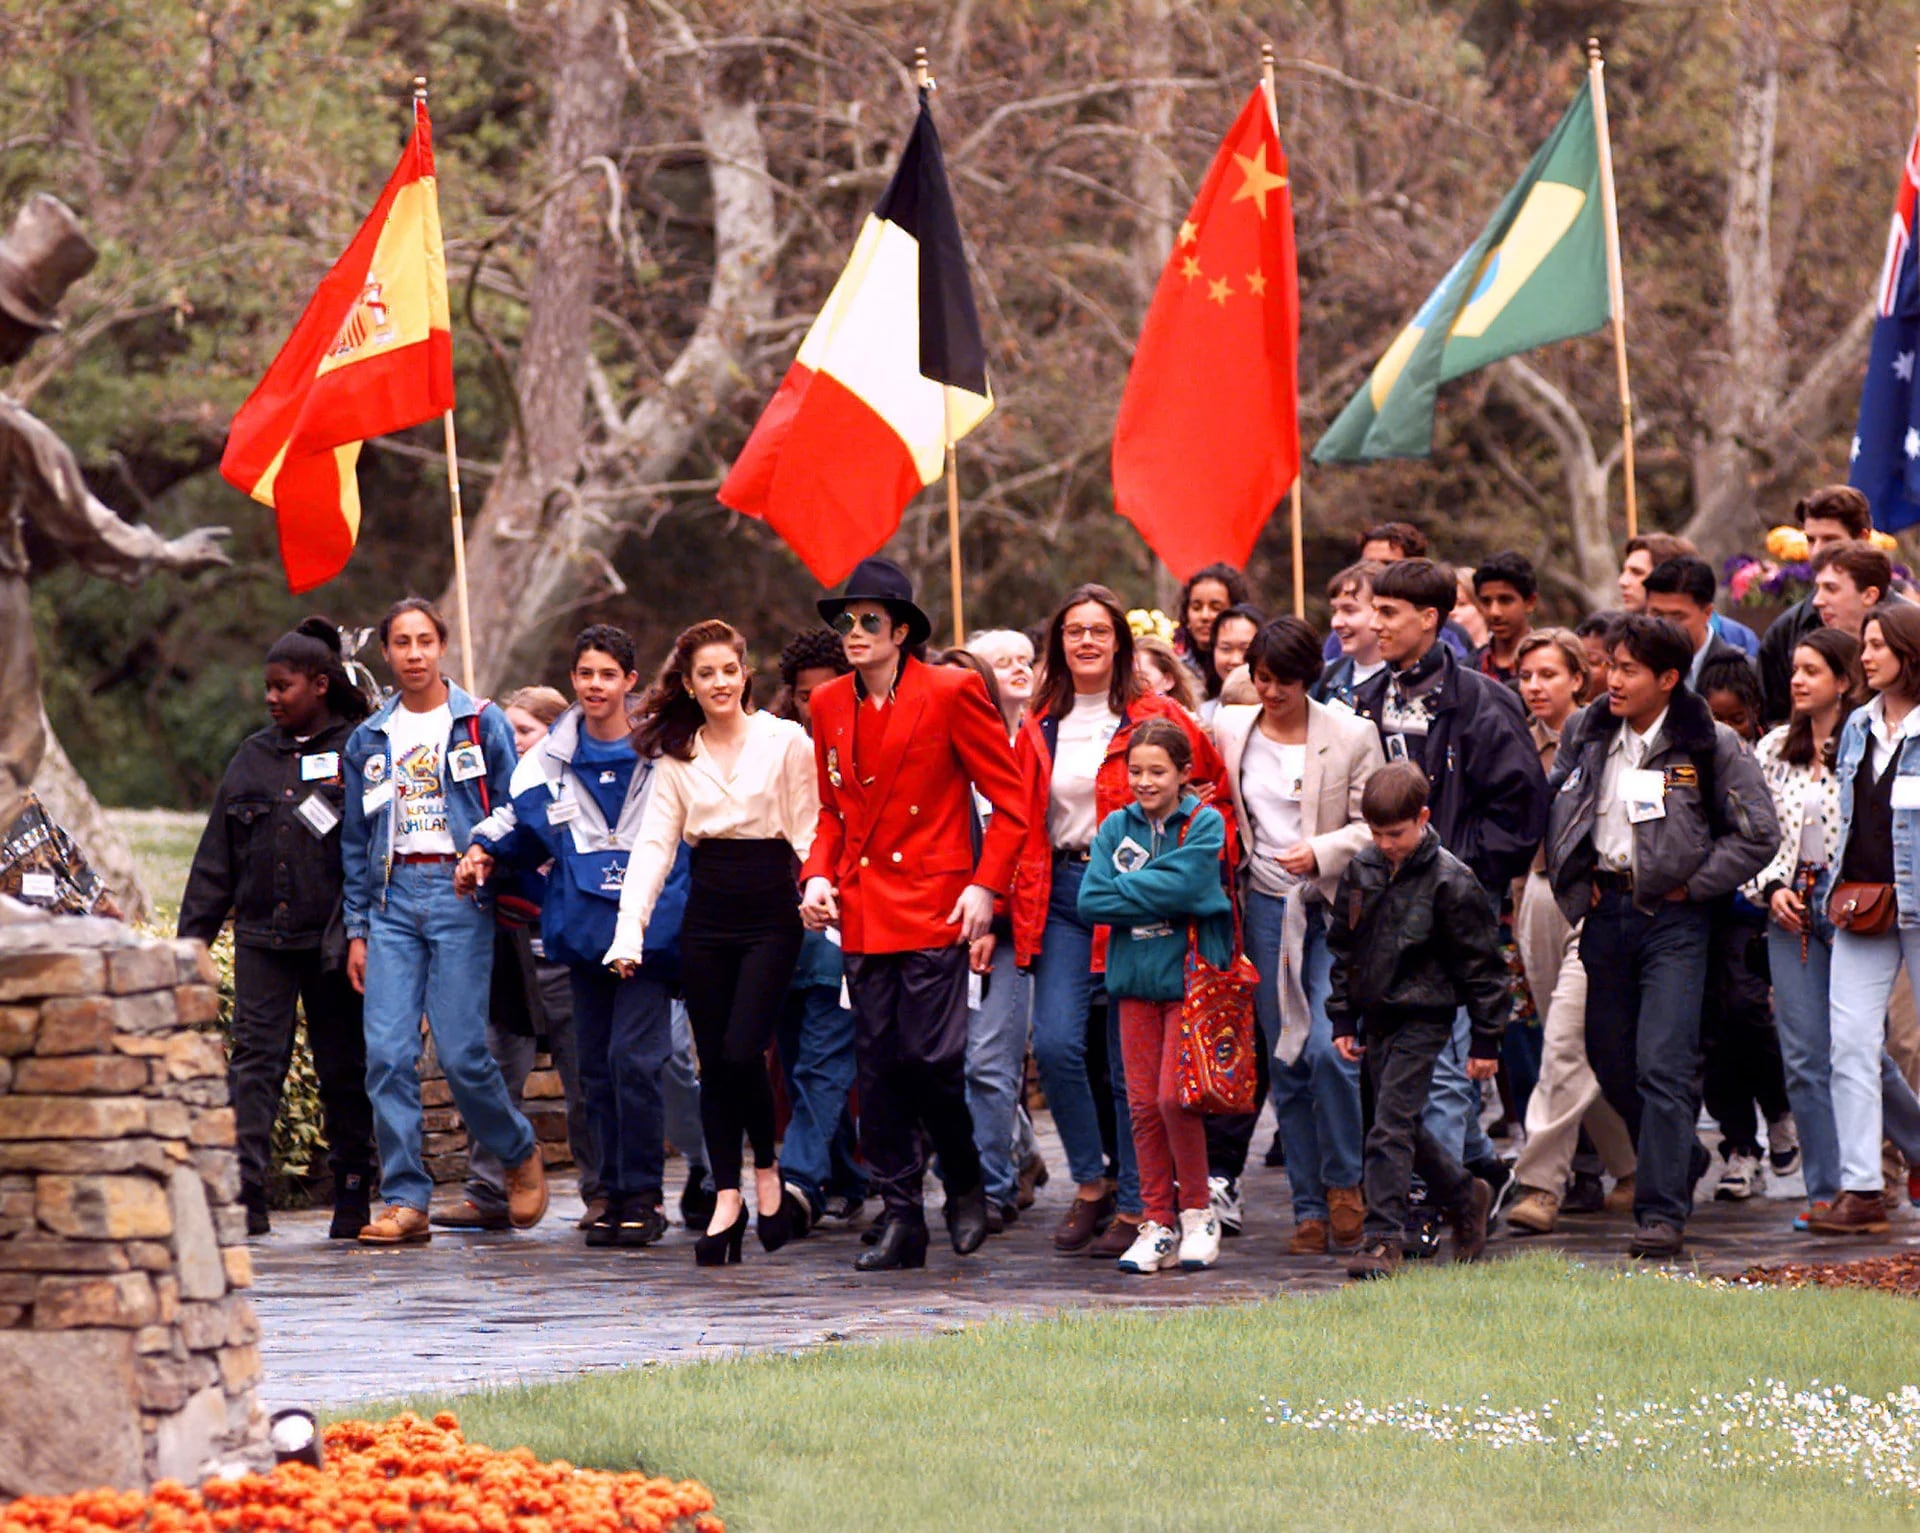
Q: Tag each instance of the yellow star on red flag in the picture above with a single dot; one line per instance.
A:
(1260, 180)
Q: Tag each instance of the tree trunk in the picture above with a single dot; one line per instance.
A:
(66, 797)
(1585, 472)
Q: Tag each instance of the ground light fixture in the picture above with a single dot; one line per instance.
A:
(295, 1437)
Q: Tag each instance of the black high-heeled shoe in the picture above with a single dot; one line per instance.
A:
(776, 1228)
(724, 1248)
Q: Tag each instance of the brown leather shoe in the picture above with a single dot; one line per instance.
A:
(1117, 1239)
(1346, 1215)
(1309, 1238)
(527, 1191)
(1534, 1212)
(596, 1210)
(1084, 1219)
(1852, 1213)
(1379, 1259)
(469, 1215)
(1619, 1196)
(1469, 1223)
(398, 1225)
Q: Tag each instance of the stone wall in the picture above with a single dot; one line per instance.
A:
(122, 1245)
(444, 1142)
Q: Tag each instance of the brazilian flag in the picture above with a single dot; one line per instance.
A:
(1537, 273)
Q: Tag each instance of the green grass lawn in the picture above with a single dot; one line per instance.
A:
(1136, 1421)
(162, 841)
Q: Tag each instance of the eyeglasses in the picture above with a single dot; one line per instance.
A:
(870, 622)
(1098, 632)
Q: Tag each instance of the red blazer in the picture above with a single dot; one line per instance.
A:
(901, 851)
(1033, 884)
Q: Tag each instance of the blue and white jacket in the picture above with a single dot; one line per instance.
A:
(553, 815)
(1856, 739)
(366, 830)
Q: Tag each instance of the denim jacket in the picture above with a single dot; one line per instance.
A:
(1856, 739)
(366, 837)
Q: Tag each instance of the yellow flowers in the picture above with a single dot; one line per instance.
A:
(1150, 624)
(1788, 545)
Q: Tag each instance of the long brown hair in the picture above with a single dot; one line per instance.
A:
(1841, 653)
(669, 715)
(1055, 695)
(1900, 630)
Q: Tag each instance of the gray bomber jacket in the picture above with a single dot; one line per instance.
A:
(1712, 854)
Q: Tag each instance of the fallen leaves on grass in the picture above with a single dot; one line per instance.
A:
(400, 1476)
(1882, 1274)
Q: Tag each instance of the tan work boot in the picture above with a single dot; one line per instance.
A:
(527, 1191)
(1534, 1212)
(1347, 1213)
(1620, 1196)
(398, 1225)
(1309, 1238)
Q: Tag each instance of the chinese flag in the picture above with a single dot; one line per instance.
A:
(373, 353)
(1208, 439)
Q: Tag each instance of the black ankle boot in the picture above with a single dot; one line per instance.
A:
(967, 1221)
(352, 1206)
(253, 1198)
(900, 1245)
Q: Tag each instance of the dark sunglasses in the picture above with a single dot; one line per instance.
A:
(871, 622)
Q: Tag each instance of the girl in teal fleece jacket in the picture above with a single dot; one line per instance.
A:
(1154, 870)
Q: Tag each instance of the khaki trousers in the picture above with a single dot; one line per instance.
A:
(1568, 1094)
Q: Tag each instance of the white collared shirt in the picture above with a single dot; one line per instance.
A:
(773, 794)
(1612, 830)
(1883, 742)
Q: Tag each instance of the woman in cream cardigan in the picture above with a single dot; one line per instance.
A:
(1297, 769)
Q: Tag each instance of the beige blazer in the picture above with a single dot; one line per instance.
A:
(1343, 751)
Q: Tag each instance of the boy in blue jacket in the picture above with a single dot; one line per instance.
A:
(1153, 875)
(426, 768)
(578, 799)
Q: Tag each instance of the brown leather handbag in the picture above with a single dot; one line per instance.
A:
(1866, 910)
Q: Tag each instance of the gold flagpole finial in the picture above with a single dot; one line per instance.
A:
(1593, 50)
(419, 87)
(923, 80)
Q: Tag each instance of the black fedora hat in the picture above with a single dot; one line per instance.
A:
(883, 581)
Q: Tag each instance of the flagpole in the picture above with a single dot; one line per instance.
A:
(1293, 496)
(922, 83)
(459, 523)
(1616, 278)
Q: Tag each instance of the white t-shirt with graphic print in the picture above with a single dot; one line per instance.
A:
(418, 773)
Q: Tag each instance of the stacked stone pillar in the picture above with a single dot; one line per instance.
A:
(125, 1339)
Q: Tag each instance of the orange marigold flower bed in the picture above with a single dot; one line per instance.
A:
(400, 1476)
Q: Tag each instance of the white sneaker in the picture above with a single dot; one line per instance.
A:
(1741, 1179)
(1151, 1251)
(1199, 1239)
(1783, 1145)
(1223, 1197)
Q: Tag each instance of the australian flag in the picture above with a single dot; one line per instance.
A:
(1886, 444)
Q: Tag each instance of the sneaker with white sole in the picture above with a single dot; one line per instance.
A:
(1152, 1249)
(1199, 1239)
(1223, 1198)
(1783, 1146)
(1742, 1178)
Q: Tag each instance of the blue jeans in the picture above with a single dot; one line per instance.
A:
(1316, 1099)
(1064, 989)
(1870, 1096)
(1800, 1013)
(625, 1033)
(996, 1057)
(430, 951)
(680, 1096)
(1647, 972)
(1452, 1113)
(816, 1055)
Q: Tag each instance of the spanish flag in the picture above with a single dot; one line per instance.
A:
(373, 353)
(892, 365)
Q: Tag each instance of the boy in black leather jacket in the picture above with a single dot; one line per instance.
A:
(1413, 938)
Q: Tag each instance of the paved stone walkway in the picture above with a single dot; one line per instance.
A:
(342, 1323)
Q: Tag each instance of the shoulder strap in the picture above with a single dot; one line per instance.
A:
(473, 734)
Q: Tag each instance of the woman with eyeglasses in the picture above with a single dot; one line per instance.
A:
(1072, 754)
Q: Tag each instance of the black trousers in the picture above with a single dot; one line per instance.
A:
(1230, 1135)
(910, 1044)
(739, 942)
(269, 987)
(1739, 1044)
(1399, 1064)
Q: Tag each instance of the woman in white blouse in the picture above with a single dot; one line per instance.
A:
(740, 788)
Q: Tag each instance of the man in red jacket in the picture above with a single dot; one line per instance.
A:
(901, 747)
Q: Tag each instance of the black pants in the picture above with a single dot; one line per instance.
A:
(1399, 1063)
(1740, 1047)
(269, 986)
(910, 1043)
(1230, 1135)
(739, 942)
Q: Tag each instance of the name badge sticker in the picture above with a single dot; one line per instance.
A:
(318, 815)
(1639, 785)
(562, 811)
(321, 766)
(376, 799)
(466, 763)
(1906, 793)
(39, 886)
